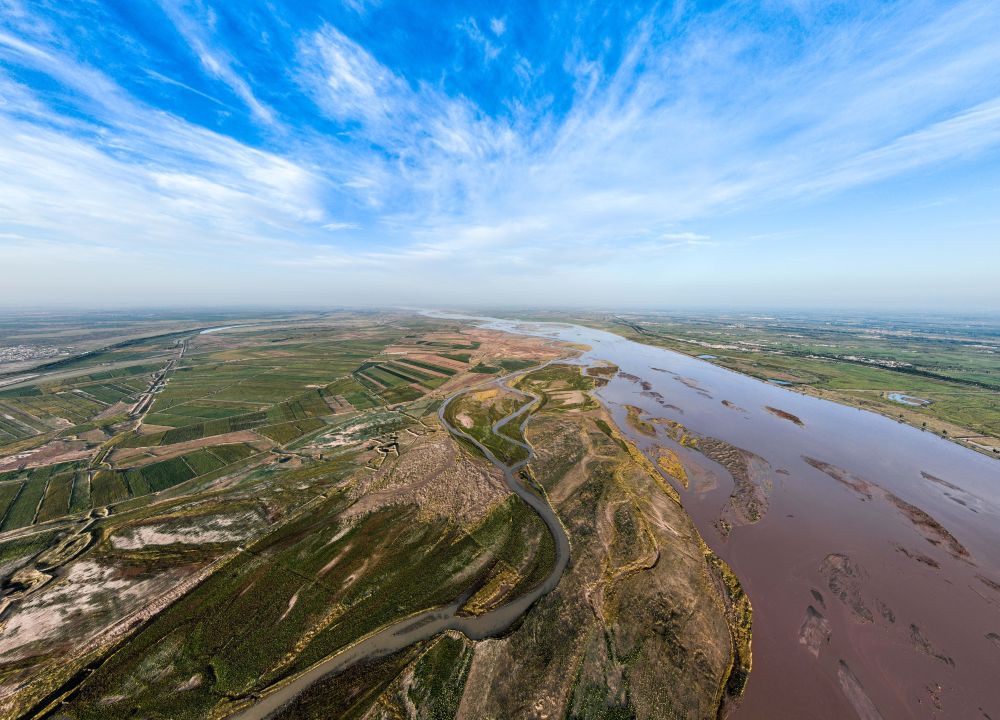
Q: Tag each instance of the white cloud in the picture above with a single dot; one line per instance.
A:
(338, 226)
(347, 82)
(966, 133)
(471, 29)
(685, 238)
(649, 146)
(361, 6)
(145, 180)
(217, 62)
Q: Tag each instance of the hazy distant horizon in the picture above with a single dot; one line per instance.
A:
(525, 310)
(654, 155)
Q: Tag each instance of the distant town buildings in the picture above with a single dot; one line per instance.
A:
(20, 353)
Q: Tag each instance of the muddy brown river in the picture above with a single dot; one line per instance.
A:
(874, 567)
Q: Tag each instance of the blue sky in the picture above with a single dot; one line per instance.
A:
(770, 154)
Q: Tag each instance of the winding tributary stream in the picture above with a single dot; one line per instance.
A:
(428, 624)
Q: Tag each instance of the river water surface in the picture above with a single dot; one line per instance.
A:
(874, 572)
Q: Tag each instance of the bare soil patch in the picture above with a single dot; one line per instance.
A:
(785, 415)
(433, 474)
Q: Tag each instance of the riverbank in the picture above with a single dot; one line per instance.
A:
(872, 398)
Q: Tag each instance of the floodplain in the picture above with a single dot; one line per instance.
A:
(385, 514)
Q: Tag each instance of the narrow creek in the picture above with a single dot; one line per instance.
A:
(425, 625)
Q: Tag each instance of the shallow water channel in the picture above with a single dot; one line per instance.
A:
(428, 624)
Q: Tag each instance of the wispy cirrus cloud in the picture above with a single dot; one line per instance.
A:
(644, 148)
(485, 44)
(195, 22)
(141, 178)
(349, 84)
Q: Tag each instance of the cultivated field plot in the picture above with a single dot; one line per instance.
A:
(144, 415)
